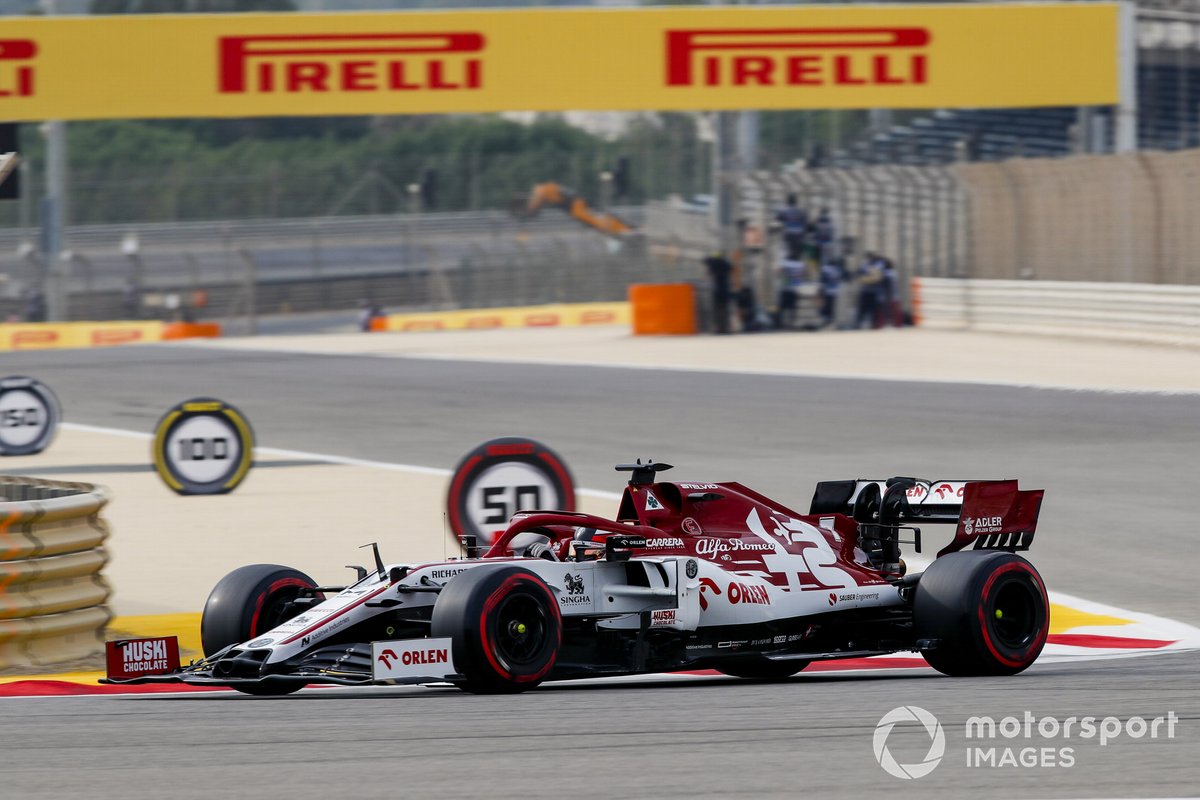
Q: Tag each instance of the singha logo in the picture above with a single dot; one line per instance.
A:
(574, 583)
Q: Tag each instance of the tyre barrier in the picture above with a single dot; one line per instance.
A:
(52, 593)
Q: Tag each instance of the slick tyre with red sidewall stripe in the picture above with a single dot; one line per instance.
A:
(987, 611)
(504, 625)
(248, 602)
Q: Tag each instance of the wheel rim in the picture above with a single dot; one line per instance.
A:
(274, 611)
(522, 630)
(1014, 615)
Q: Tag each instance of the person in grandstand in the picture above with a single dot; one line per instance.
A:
(793, 223)
(870, 290)
(833, 272)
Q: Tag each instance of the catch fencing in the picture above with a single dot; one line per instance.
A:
(402, 262)
(1126, 311)
(52, 594)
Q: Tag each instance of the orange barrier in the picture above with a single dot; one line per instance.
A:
(191, 330)
(915, 294)
(668, 308)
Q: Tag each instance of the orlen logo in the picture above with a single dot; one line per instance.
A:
(797, 57)
(361, 62)
(434, 655)
(16, 79)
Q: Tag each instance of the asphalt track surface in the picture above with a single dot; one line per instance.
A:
(1118, 526)
(810, 736)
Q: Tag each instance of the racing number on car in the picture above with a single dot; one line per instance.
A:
(494, 500)
(816, 561)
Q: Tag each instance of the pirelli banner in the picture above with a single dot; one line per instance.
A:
(550, 60)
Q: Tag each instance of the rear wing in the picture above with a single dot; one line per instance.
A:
(991, 515)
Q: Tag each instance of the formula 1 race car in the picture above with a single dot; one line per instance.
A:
(689, 576)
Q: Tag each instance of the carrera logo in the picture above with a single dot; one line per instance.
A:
(367, 62)
(16, 79)
(665, 541)
(797, 57)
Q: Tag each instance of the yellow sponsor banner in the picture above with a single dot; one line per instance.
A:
(567, 315)
(44, 335)
(551, 60)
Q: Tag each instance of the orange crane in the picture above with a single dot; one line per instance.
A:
(553, 194)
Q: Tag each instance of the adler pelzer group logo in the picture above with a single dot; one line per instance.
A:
(792, 57)
(364, 62)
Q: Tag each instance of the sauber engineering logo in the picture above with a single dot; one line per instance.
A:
(798, 57)
(361, 62)
(16, 71)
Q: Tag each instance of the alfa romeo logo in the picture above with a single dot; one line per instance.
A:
(909, 716)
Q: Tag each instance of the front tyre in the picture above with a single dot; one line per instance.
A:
(987, 609)
(504, 625)
(250, 601)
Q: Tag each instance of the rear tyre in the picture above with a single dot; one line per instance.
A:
(987, 610)
(248, 602)
(504, 625)
(761, 668)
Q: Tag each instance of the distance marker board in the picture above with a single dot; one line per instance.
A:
(501, 477)
(29, 416)
(203, 446)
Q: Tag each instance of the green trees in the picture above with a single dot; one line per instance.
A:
(133, 170)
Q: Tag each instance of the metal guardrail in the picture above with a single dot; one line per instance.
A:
(1131, 311)
(52, 594)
